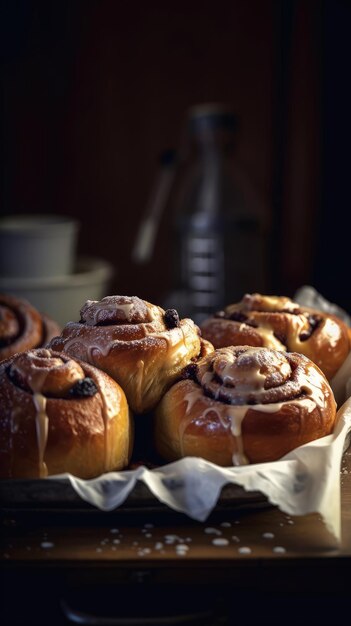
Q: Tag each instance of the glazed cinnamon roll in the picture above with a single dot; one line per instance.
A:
(242, 404)
(23, 327)
(278, 322)
(142, 347)
(60, 415)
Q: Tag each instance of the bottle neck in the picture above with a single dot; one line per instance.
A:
(212, 141)
(206, 192)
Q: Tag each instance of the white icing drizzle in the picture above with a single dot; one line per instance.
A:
(314, 387)
(94, 315)
(126, 308)
(233, 415)
(191, 397)
(179, 347)
(255, 381)
(236, 415)
(85, 347)
(269, 338)
(36, 380)
(176, 345)
(298, 325)
(266, 332)
(278, 303)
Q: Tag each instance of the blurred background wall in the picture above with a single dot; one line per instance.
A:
(95, 90)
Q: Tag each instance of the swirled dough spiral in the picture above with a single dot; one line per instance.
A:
(142, 347)
(244, 404)
(22, 327)
(278, 322)
(60, 415)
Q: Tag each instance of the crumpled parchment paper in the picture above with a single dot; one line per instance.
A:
(307, 480)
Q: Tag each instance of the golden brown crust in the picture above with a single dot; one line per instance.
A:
(22, 327)
(244, 405)
(142, 347)
(278, 322)
(60, 415)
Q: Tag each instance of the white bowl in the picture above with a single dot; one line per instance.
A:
(62, 297)
(37, 246)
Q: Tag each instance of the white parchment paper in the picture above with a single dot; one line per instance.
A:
(307, 480)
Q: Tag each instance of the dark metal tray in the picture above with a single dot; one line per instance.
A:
(59, 495)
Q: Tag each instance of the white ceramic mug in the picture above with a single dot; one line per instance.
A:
(62, 297)
(37, 246)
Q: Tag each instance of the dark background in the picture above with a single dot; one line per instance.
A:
(94, 90)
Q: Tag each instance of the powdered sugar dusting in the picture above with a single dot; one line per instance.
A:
(244, 550)
(220, 541)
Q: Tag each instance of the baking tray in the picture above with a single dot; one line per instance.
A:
(58, 496)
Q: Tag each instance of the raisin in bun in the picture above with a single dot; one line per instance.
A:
(278, 322)
(60, 415)
(23, 327)
(241, 405)
(142, 347)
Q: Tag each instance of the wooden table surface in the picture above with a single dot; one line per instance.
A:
(254, 549)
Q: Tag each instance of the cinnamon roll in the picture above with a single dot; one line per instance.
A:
(22, 327)
(243, 404)
(278, 322)
(142, 347)
(60, 415)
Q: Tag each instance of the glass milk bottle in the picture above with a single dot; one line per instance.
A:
(219, 242)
